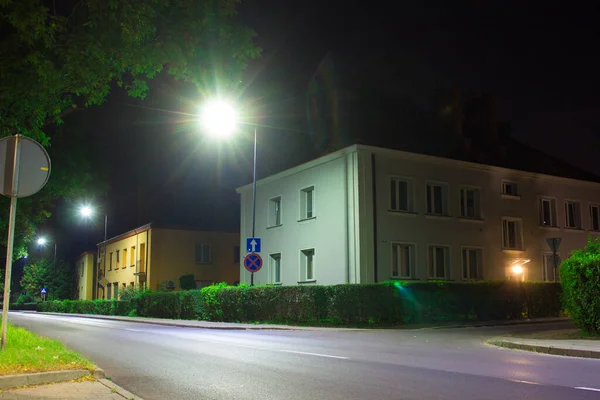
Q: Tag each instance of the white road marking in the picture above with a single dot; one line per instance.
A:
(133, 330)
(314, 354)
(527, 382)
(587, 388)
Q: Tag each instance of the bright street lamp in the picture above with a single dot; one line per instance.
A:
(87, 212)
(42, 241)
(220, 120)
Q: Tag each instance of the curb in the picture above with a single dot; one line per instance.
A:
(39, 378)
(126, 394)
(557, 351)
(264, 327)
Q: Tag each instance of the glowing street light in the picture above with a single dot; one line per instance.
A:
(86, 211)
(42, 241)
(220, 119)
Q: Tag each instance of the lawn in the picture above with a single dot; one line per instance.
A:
(26, 352)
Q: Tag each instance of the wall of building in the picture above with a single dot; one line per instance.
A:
(486, 232)
(84, 267)
(131, 260)
(174, 254)
(333, 233)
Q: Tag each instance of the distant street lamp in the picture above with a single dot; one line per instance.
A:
(42, 241)
(220, 120)
(87, 212)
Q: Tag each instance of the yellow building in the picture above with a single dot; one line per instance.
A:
(84, 267)
(157, 256)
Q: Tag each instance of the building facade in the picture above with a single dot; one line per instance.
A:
(84, 268)
(156, 257)
(366, 214)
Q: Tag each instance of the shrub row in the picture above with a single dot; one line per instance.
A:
(383, 303)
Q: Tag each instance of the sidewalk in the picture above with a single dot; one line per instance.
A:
(245, 326)
(571, 348)
(101, 389)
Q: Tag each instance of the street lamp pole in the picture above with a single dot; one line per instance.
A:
(104, 261)
(55, 255)
(253, 201)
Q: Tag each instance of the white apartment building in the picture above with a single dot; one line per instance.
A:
(365, 214)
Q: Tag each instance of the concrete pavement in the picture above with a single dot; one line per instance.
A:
(561, 347)
(159, 362)
(77, 390)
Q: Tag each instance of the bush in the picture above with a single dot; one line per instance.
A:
(580, 279)
(24, 307)
(388, 303)
(187, 282)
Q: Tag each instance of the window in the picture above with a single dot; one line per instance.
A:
(471, 263)
(439, 261)
(307, 272)
(307, 202)
(511, 234)
(510, 188)
(595, 217)
(275, 260)
(550, 274)
(275, 211)
(437, 196)
(110, 262)
(547, 212)
(203, 255)
(401, 195)
(572, 215)
(82, 268)
(124, 258)
(470, 203)
(131, 285)
(132, 259)
(118, 259)
(116, 290)
(402, 260)
(108, 291)
(236, 254)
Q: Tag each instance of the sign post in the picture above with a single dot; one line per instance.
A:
(24, 170)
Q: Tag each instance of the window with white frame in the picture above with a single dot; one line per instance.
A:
(437, 199)
(401, 195)
(572, 214)
(550, 274)
(275, 211)
(275, 260)
(307, 202)
(512, 234)
(403, 260)
(471, 263)
(203, 254)
(307, 266)
(510, 188)
(594, 217)
(439, 262)
(470, 206)
(547, 212)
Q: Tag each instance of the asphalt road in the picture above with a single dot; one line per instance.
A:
(161, 362)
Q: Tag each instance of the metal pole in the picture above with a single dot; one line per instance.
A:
(104, 272)
(11, 237)
(55, 256)
(253, 201)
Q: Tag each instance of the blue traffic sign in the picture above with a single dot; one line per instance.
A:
(253, 262)
(43, 291)
(253, 245)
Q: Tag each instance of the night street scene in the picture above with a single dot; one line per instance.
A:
(260, 199)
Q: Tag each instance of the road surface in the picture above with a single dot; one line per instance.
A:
(162, 362)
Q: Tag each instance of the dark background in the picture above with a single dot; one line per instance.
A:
(538, 61)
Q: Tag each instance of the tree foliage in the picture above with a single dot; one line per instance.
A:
(59, 281)
(580, 279)
(57, 60)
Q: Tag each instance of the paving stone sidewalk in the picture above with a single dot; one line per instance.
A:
(85, 390)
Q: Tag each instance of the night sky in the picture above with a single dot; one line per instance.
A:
(538, 60)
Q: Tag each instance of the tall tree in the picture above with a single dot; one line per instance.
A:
(58, 57)
(59, 279)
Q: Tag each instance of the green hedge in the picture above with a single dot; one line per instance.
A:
(387, 303)
(101, 307)
(22, 306)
